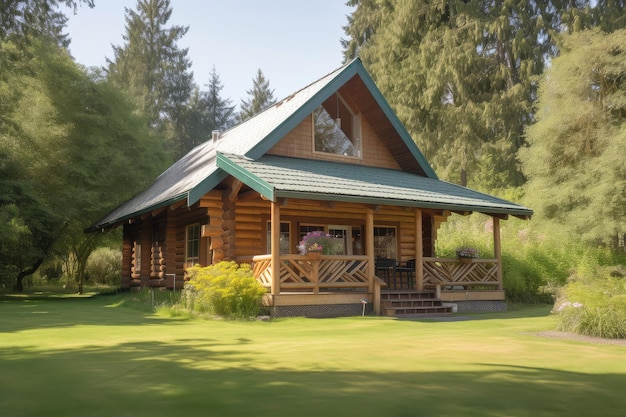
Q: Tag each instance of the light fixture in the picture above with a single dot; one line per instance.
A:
(337, 119)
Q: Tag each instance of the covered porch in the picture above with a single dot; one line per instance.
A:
(357, 279)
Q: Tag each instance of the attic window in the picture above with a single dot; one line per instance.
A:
(336, 129)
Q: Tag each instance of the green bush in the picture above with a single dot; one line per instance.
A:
(593, 303)
(225, 289)
(104, 266)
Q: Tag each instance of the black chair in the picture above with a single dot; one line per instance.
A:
(408, 270)
(386, 269)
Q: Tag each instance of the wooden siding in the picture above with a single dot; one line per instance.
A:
(299, 144)
(251, 217)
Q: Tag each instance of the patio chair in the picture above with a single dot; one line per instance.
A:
(386, 269)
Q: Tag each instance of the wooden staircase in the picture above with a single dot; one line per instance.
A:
(405, 303)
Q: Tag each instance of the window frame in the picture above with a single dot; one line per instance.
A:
(377, 252)
(355, 122)
(190, 261)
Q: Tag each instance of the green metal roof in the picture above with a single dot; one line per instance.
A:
(204, 167)
(282, 177)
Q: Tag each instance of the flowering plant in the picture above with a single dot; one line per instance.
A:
(318, 241)
(467, 252)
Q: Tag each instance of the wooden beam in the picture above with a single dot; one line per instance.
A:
(248, 195)
(275, 248)
(369, 250)
(500, 216)
(178, 204)
(497, 249)
(235, 186)
(419, 251)
(157, 212)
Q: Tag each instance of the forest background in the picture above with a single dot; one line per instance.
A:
(525, 100)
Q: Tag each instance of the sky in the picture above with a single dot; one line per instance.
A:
(294, 42)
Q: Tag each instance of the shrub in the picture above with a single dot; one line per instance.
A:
(104, 266)
(225, 289)
(593, 304)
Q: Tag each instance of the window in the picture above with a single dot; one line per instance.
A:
(137, 257)
(306, 228)
(285, 236)
(155, 267)
(192, 246)
(336, 129)
(385, 242)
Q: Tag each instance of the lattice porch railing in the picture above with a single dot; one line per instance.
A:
(301, 273)
(448, 272)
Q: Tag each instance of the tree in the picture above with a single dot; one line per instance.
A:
(71, 147)
(205, 111)
(152, 68)
(219, 111)
(260, 97)
(462, 76)
(575, 159)
(36, 18)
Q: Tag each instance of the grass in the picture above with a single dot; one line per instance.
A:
(93, 357)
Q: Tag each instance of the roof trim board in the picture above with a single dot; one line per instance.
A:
(195, 194)
(243, 175)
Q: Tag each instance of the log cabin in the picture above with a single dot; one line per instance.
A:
(332, 157)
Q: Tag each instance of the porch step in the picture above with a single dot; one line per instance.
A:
(407, 302)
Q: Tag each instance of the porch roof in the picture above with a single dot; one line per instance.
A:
(277, 177)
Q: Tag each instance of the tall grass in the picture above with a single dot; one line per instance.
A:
(535, 262)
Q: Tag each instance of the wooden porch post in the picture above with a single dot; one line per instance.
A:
(369, 249)
(419, 251)
(497, 249)
(275, 248)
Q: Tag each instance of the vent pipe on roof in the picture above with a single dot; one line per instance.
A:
(215, 135)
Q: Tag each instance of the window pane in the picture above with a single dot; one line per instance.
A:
(385, 242)
(285, 237)
(329, 137)
(192, 252)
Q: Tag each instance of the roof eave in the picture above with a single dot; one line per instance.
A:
(257, 184)
(516, 212)
(97, 227)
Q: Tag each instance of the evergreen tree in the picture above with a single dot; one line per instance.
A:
(462, 76)
(219, 111)
(36, 18)
(575, 161)
(205, 111)
(151, 67)
(260, 97)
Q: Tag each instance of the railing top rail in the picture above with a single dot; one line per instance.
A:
(480, 260)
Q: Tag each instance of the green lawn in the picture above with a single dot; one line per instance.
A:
(90, 357)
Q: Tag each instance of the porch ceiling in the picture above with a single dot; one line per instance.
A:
(283, 177)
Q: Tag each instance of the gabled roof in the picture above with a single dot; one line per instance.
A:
(198, 172)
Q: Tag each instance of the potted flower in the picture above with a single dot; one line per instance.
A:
(466, 254)
(317, 243)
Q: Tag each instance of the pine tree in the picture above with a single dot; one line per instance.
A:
(36, 18)
(575, 161)
(260, 97)
(219, 111)
(462, 76)
(151, 67)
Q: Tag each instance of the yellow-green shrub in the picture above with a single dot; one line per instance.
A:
(225, 289)
(593, 304)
